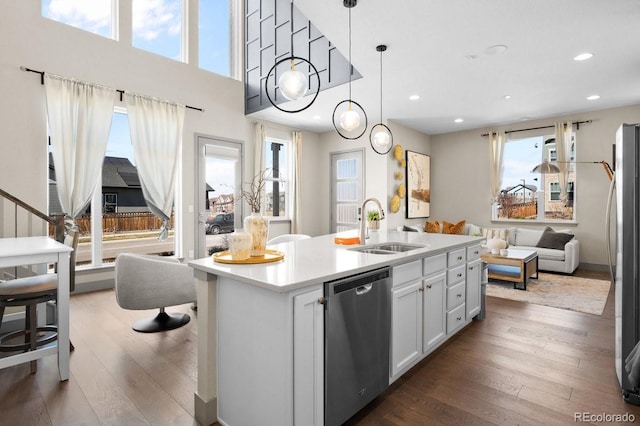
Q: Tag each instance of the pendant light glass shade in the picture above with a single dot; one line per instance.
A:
(293, 83)
(380, 137)
(349, 118)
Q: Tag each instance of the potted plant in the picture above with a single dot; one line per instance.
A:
(373, 218)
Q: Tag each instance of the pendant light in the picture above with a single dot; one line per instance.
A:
(293, 84)
(349, 118)
(380, 137)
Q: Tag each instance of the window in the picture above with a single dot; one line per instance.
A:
(110, 203)
(214, 42)
(127, 225)
(532, 196)
(277, 178)
(157, 27)
(95, 16)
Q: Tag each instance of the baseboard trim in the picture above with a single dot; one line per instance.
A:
(594, 267)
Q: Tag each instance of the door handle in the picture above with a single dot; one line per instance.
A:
(364, 289)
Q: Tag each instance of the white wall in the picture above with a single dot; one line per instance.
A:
(461, 183)
(411, 140)
(379, 170)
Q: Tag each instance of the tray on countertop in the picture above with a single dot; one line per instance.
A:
(269, 256)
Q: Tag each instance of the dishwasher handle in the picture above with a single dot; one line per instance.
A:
(363, 289)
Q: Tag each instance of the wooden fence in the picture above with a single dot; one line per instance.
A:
(123, 222)
(519, 211)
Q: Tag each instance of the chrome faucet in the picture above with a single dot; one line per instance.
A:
(363, 217)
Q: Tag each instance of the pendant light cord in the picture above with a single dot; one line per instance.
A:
(292, 30)
(381, 86)
(350, 64)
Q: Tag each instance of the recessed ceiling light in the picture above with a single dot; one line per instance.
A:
(458, 120)
(414, 97)
(495, 50)
(583, 56)
(507, 96)
(316, 117)
(593, 97)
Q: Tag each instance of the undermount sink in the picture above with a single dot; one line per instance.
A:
(387, 248)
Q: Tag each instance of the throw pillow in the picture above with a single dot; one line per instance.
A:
(553, 240)
(453, 228)
(528, 237)
(501, 233)
(432, 227)
(409, 229)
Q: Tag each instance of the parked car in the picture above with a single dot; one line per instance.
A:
(223, 222)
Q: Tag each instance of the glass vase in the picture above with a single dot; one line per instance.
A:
(258, 226)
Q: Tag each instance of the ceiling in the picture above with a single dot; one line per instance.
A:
(441, 51)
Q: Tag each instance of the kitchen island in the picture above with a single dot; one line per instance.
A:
(260, 327)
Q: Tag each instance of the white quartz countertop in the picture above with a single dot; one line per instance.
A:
(316, 260)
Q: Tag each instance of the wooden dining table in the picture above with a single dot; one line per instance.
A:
(41, 251)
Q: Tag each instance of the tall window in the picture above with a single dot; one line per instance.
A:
(277, 177)
(533, 196)
(127, 225)
(157, 27)
(215, 36)
(95, 16)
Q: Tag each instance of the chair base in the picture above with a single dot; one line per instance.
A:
(161, 322)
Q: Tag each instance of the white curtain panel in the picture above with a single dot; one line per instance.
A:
(496, 153)
(563, 153)
(296, 202)
(156, 136)
(79, 116)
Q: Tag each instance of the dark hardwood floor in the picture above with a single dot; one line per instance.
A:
(523, 365)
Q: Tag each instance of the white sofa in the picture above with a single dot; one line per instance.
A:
(554, 260)
(564, 260)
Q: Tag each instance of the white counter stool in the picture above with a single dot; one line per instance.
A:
(29, 292)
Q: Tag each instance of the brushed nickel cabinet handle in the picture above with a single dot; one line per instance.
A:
(429, 285)
(459, 274)
(322, 300)
(471, 268)
(459, 318)
(459, 295)
(459, 257)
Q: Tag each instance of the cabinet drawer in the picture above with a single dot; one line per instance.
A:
(407, 272)
(473, 253)
(455, 296)
(456, 275)
(455, 319)
(434, 264)
(456, 257)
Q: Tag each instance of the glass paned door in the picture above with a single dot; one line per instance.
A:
(219, 180)
(346, 189)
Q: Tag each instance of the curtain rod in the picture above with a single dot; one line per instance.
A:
(23, 68)
(577, 123)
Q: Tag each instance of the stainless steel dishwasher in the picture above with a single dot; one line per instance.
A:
(357, 333)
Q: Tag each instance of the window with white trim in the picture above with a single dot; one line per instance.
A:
(95, 16)
(529, 196)
(277, 161)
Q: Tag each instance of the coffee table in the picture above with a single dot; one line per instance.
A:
(517, 266)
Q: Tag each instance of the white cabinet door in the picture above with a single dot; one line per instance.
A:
(474, 276)
(308, 359)
(406, 326)
(434, 301)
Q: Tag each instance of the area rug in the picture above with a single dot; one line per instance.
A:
(586, 295)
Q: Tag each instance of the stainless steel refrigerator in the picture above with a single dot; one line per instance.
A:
(627, 277)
